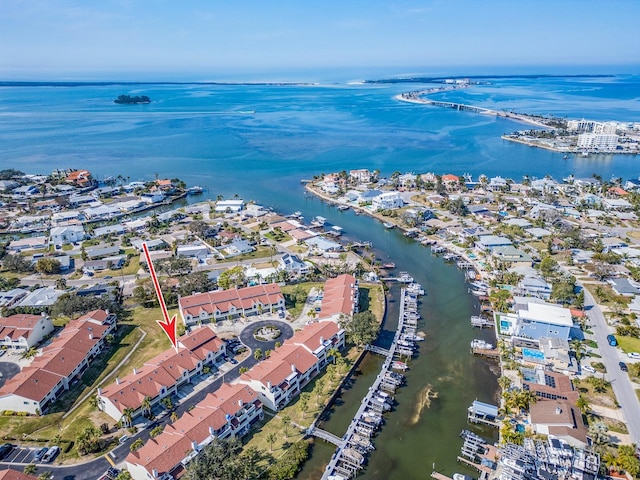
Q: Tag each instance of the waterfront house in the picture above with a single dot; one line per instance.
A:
(361, 176)
(535, 319)
(102, 212)
(153, 196)
(21, 332)
(109, 230)
(230, 304)
(387, 201)
(324, 245)
(228, 412)
(161, 376)
(548, 385)
(80, 178)
(280, 378)
(229, 206)
(340, 297)
(488, 242)
(560, 419)
(66, 217)
(66, 358)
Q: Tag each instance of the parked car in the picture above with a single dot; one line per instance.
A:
(112, 473)
(2, 352)
(40, 454)
(589, 368)
(51, 454)
(634, 355)
(5, 449)
(612, 340)
(623, 366)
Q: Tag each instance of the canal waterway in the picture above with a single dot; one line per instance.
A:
(443, 380)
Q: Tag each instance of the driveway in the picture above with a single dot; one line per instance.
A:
(246, 335)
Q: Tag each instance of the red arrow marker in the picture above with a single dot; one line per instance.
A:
(169, 326)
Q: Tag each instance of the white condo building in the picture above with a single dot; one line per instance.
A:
(597, 141)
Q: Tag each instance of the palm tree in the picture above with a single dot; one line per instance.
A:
(146, 405)
(304, 403)
(127, 416)
(30, 469)
(257, 354)
(61, 283)
(579, 349)
(333, 353)
(286, 421)
(174, 417)
(504, 382)
(271, 437)
(583, 404)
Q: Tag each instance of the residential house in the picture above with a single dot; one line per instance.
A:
(548, 385)
(361, 176)
(228, 412)
(498, 184)
(238, 247)
(228, 304)
(293, 265)
(387, 201)
(102, 251)
(340, 297)
(102, 212)
(161, 376)
(229, 206)
(198, 250)
(559, 419)
(67, 234)
(109, 230)
(80, 178)
(107, 263)
(40, 299)
(66, 358)
(66, 217)
(511, 256)
(28, 243)
(21, 332)
(11, 297)
(490, 242)
(535, 320)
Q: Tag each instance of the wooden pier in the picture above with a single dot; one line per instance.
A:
(439, 476)
(345, 462)
(485, 352)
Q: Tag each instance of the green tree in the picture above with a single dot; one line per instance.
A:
(48, 266)
(16, 263)
(583, 404)
(362, 329)
(548, 267)
(45, 476)
(234, 277)
(271, 437)
(137, 445)
(146, 405)
(124, 475)
(127, 417)
(257, 354)
(30, 469)
(304, 402)
(286, 421)
(89, 440)
(156, 431)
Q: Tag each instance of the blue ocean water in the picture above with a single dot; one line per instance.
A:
(260, 140)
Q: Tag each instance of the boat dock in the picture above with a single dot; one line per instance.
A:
(439, 476)
(355, 443)
(482, 322)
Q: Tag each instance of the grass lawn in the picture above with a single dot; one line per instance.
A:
(372, 298)
(298, 249)
(628, 344)
(259, 252)
(295, 308)
(286, 436)
(51, 425)
(277, 236)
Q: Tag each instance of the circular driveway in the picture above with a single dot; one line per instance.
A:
(246, 335)
(8, 370)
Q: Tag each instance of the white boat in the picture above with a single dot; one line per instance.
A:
(388, 225)
(399, 365)
(460, 476)
(343, 207)
(195, 190)
(481, 344)
(318, 221)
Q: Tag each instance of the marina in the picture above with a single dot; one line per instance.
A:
(354, 445)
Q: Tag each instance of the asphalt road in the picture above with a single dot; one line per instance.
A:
(620, 381)
(8, 370)
(93, 469)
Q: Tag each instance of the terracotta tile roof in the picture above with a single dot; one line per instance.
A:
(282, 362)
(59, 359)
(163, 370)
(167, 450)
(18, 325)
(339, 296)
(32, 383)
(223, 300)
(557, 385)
(15, 475)
(310, 335)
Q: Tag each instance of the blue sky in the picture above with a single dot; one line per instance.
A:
(209, 39)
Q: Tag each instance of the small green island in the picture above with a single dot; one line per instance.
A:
(128, 99)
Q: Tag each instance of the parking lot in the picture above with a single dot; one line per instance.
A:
(21, 455)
